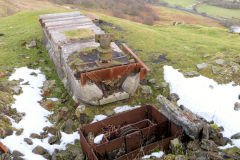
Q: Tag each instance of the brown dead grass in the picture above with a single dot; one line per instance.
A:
(168, 16)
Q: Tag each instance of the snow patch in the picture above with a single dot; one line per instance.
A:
(98, 139)
(154, 154)
(124, 108)
(99, 118)
(35, 118)
(208, 99)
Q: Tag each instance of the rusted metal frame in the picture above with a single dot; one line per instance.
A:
(163, 144)
(87, 150)
(102, 72)
(3, 147)
(138, 153)
(133, 141)
(110, 146)
(120, 119)
(129, 51)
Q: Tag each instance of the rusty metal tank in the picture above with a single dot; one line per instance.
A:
(91, 66)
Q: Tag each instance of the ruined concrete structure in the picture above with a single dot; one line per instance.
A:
(92, 67)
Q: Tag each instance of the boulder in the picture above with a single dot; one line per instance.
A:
(91, 92)
(202, 66)
(188, 121)
(131, 83)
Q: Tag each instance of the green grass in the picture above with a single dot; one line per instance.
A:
(219, 12)
(183, 45)
(182, 3)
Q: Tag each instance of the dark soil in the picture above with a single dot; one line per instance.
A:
(160, 59)
(1, 34)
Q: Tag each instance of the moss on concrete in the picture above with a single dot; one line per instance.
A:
(79, 34)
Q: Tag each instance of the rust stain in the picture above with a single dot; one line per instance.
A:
(189, 117)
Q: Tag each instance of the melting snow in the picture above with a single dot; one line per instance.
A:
(36, 116)
(124, 108)
(99, 118)
(98, 139)
(208, 99)
(154, 154)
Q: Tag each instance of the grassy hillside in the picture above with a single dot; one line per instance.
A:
(183, 46)
(219, 12)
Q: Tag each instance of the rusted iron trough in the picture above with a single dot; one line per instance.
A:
(128, 135)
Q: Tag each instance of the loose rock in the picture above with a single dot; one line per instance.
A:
(79, 110)
(152, 81)
(39, 150)
(221, 62)
(68, 126)
(173, 97)
(17, 154)
(202, 66)
(191, 74)
(31, 44)
(146, 90)
(237, 106)
(28, 141)
(163, 85)
(236, 136)
(208, 145)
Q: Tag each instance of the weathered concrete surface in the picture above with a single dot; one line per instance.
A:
(60, 48)
(190, 122)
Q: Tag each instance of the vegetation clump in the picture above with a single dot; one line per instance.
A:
(79, 34)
